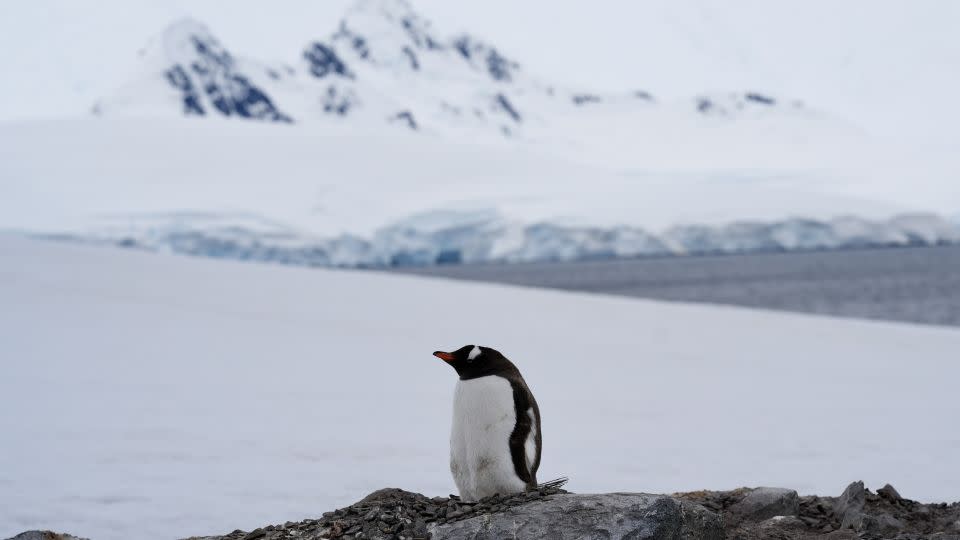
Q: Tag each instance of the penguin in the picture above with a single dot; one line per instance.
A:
(495, 439)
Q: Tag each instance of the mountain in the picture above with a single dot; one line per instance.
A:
(890, 73)
(386, 64)
(191, 72)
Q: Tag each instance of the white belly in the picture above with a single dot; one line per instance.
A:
(483, 419)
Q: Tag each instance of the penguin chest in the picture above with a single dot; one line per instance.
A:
(484, 416)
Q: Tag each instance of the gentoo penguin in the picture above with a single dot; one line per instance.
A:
(495, 439)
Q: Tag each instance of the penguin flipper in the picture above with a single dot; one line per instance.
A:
(524, 441)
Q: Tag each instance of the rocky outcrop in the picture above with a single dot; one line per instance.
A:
(857, 513)
(208, 77)
(612, 515)
(547, 513)
(550, 512)
(44, 535)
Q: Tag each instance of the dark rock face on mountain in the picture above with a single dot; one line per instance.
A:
(338, 101)
(324, 61)
(504, 104)
(180, 79)
(208, 79)
(407, 118)
(479, 54)
(733, 103)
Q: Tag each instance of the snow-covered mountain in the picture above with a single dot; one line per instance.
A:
(385, 63)
(189, 71)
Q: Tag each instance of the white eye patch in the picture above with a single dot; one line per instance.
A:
(474, 353)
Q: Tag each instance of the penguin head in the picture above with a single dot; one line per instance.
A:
(472, 361)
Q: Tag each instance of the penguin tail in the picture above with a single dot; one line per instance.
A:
(554, 484)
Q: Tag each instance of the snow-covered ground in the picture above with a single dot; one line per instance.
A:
(147, 396)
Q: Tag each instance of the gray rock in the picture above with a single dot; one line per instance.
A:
(775, 528)
(44, 535)
(764, 503)
(881, 524)
(606, 516)
(254, 534)
(888, 492)
(395, 514)
(849, 507)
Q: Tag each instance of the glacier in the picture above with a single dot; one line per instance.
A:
(486, 236)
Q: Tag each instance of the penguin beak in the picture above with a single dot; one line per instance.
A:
(445, 356)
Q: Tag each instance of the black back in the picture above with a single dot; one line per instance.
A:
(491, 362)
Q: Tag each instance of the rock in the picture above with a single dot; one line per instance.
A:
(550, 512)
(783, 522)
(569, 516)
(764, 502)
(778, 528)
(869, 514)
(839, 535)
(849, 507)
(254, 534)
(44, 535)
(888, 492)
(884, 525)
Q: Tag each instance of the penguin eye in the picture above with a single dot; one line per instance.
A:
(474, 354)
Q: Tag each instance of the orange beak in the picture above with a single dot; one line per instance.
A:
(448, 357)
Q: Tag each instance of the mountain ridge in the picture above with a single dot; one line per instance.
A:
(383, 63)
